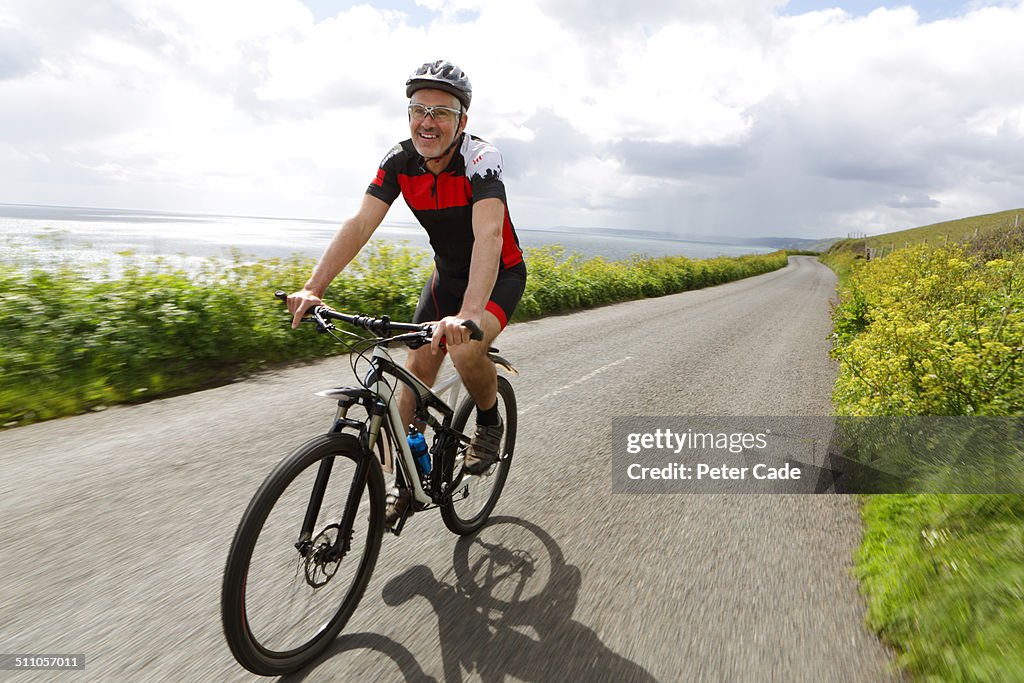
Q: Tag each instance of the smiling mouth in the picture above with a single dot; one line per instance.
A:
(429, 136)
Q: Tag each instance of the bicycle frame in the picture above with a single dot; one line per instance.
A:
(381, 403)
(378, 397)
(385, 406)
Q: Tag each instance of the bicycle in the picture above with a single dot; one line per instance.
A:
(321, 509)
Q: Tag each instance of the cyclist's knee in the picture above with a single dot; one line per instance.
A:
(477, 350)
(491, 327)
(467, 353)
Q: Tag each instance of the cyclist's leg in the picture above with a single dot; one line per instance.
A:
(440, 298)
(474, 367)
(421, 362)
(477, 371)
(480, 376)
(425, 366)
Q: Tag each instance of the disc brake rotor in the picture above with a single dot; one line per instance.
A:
(321, 562)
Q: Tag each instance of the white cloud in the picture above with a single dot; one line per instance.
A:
(698, 117)
(604, 18)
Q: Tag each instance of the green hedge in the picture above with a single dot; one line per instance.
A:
(932, 332)
(74, 342)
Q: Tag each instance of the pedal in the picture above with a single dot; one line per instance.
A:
(391, 502)
(396, 528)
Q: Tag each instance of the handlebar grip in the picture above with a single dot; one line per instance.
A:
(284, 297)
(475, 333)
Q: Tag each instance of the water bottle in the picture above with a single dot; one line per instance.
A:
(418, 446)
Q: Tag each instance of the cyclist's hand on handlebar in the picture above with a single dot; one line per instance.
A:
(299, 302)
(453, 330)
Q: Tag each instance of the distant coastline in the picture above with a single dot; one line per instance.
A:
(148, 232)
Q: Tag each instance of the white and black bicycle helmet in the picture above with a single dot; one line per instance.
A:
(441, 75)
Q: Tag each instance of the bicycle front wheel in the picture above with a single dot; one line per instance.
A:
(285, 595)
(474, 497)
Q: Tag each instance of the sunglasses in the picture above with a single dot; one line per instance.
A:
(418, 112)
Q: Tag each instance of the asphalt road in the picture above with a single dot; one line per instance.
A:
(116, 524)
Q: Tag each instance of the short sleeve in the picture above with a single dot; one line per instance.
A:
(385, 186)
(484, 173)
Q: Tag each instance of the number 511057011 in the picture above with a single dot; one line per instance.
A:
(41, 662)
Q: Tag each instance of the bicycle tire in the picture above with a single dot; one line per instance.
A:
(251, 630)
(465, 515)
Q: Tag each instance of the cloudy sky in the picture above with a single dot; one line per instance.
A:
(736, 117)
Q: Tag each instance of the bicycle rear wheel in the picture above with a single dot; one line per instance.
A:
(280, 606)
(474, 497)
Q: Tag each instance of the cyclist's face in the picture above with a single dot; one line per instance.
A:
(430, 137)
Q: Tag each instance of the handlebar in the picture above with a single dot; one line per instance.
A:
(382, 327)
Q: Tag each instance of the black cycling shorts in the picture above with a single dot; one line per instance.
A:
(442, 295)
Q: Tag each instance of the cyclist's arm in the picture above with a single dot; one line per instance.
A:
(347, 242)
(488, 218)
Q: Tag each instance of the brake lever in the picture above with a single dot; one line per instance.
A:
(416, 342)
(321, 324)
(475, 333)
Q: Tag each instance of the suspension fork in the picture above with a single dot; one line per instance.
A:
(343, 543)
(316, 499)
(316, 496)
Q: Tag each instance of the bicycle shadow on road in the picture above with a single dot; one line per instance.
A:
(505, 610)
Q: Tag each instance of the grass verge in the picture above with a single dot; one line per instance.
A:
(937, 331)
(944, 579)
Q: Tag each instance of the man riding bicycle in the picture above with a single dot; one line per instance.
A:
(452, 182)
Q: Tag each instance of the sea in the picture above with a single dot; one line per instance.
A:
(35, 235)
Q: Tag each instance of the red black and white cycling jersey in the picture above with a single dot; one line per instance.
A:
(443, 204)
